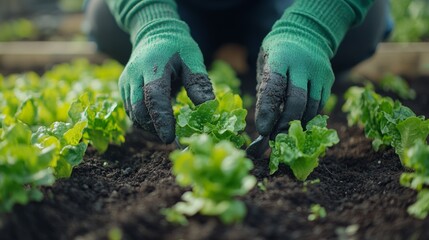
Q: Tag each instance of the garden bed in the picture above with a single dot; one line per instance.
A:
(124, 189)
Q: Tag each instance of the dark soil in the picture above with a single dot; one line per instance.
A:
(127, 187)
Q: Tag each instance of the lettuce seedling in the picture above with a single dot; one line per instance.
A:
(330, 104)
(417, 159)
(17, 30)
(23, 166)
(68, 143)
(316, 212)
(394, 83)
(224, 78)
(299, 149)
(217, 173)
(223, 119)
(105, 117)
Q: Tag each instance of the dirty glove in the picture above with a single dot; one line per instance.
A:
(163, 53)
(294, 73)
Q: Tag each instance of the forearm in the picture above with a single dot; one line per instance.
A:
(328, 20)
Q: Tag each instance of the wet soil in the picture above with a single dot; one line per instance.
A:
(125, 189)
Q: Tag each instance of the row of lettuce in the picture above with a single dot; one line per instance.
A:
(390, 124)
(212, 162)
(47, 122)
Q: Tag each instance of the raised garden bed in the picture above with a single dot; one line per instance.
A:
(123, 190)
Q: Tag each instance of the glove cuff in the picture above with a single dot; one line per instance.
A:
(322, 22)
(139, 17)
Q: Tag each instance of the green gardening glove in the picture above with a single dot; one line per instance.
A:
(164, 53)
(294, 73)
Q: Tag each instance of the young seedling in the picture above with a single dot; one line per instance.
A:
(300, 149)
(417, 159)
(24, 167)
(330, 104)
(394, 83)
(262, 185)
(309, 182)
(217, 174)
(223, 118)
(105, 117)
(316, 212)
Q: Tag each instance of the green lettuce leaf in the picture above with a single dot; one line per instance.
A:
(106, 119)
(217, 173)
(223, 119)
(299, 149)
(23, 167)
(394, 83)
(417, 159)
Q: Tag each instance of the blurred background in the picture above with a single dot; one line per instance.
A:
(41, 20)
(37, 33)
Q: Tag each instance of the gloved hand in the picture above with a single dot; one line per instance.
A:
(163, 53)
(294, 73)
(294, 83)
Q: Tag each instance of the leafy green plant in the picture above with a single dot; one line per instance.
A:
(46, 123)
(411, 18)
(386, 121)
(223, 78)
(115, 234)
(394, 83)
(23, 166)
(106, 120)
(217, 173)
(330, 104)
(316, 212)
(308, 183)
(417, 159)
(262, 185)
(223, 119)
(17, 29)
(67, 139)
(300, 149)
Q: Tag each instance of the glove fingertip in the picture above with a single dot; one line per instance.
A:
(167, 132)
(263, 129)
(157, 101)
(264, 123)
(198, 87)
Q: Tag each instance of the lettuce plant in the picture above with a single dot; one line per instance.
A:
(18, 30)
(223, 119)
(67, 140)
(300, 149)
(217, 173)
(106, 120)
(417, 159)
(24, 167)
(223, 78)
(396, 84)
